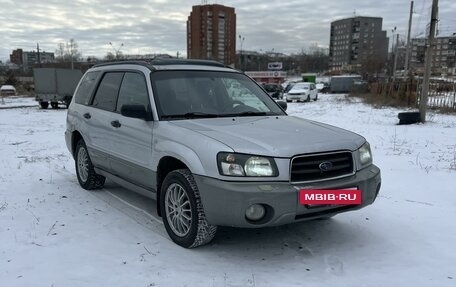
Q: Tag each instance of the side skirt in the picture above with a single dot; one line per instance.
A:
(128, 185)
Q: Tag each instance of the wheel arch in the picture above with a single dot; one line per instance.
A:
(166, 165)
(75, 137)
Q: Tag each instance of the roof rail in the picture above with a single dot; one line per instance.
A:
(162, 62)
(159, 62)
(142, 63)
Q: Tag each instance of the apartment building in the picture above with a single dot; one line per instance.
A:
(211, 33)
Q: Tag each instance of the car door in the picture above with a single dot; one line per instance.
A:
(131, 152)
(98, 119)
(313, 91)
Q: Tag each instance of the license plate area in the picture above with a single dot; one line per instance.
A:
(315, 198)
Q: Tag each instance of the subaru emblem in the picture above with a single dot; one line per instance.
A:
(325, 166)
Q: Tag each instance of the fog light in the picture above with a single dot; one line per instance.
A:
(255, 212)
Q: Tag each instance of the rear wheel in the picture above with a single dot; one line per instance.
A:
(183, 212)
(316, 97)
(87, 177)
(54, 105)
(44, 105)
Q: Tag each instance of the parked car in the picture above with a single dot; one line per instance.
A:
(288, 87)
(7, 91)
(323, 87)
(175, 131)
(302, 92)
(274, 90)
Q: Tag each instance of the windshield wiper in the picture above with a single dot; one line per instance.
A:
(192, 115)
(246, 114)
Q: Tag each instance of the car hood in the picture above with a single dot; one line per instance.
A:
(278, 136)
(298, 91)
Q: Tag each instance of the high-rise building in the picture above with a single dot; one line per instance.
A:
(211, 33)
(357, 43)
(443, 56)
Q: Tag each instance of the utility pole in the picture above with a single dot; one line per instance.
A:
(395, 57)
(428, 62)
(71, 53)
(38, 54)
(407, 51)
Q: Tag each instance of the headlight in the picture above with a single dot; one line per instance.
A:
(365, 155)
(234, 164)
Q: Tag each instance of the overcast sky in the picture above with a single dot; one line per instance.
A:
(159, 26)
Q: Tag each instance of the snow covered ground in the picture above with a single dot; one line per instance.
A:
(17, 102)
(54, 233)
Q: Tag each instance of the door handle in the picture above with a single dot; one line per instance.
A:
(116, 124)
(87, 115)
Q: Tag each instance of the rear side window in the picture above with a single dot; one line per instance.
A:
(133, 91)
(85, 89)
(106, 95)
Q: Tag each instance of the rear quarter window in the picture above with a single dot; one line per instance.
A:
(85, 89)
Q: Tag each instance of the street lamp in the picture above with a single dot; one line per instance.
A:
(117, 51)
(241, 39)
(393, 54)
(392, 42)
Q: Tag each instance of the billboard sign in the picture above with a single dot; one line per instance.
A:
(275, 66)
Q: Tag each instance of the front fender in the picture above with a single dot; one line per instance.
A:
(181, 152)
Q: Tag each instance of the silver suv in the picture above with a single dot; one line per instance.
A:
(211, 146)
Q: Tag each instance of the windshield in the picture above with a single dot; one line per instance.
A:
(201, 94)
(301, 87)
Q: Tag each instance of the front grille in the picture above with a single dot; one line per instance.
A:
(309, 167)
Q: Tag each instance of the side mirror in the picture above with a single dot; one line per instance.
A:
(283, 105)
(135, 111)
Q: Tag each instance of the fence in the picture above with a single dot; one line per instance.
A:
(442, 94)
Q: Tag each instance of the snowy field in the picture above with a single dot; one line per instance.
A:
(17, 102)
(54, 233)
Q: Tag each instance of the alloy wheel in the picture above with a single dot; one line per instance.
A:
(178, 210)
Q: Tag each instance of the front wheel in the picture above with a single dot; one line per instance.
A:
(183, 212)
(316, 97)
(87, 177)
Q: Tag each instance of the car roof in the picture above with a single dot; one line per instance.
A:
(168, 64)
(7, 87)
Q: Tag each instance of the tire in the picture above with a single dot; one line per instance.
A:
(288, 101)
(316, 98)
(54, 105)
(87, 177)
(44, 105)
(408, 118)
(191, 230)
(308, 98)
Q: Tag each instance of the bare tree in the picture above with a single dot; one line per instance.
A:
(68, 52)
(110, 56)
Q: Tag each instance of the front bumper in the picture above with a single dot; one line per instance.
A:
(296, 97)
(225, 202)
